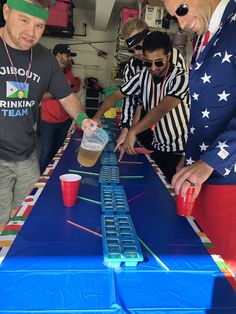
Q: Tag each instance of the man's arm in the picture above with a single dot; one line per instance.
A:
(137, 115)
(124, 132)
(74, 108)
(128, 88)
(176, 91)
(108, 103)
(47, 95)
(155, 115)
(130, 102)
(152, 117)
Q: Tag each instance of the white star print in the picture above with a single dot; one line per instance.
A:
(195, 96)
(192, 129)
(226, 57)
(217, 54)
(223, 96)
(189, 161)
(216, 41)
(233, 18)
(206, 78)
(198, 65)
(205, 113)
(220, 28)
(227, 172)
(222, 145)
(203, 146)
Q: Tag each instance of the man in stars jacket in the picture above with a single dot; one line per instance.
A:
(210, 154)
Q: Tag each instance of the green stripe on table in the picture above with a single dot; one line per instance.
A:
(131, 177)
(84, 172)
(89, 200)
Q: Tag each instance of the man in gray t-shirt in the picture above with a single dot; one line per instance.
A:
(27, 70)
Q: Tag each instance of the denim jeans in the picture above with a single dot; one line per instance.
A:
(52, 137)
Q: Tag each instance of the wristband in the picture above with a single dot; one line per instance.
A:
(80, 118)
(125, 126)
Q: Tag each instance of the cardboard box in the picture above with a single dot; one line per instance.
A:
(153, 15)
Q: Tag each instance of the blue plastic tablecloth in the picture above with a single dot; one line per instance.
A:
(55, 267)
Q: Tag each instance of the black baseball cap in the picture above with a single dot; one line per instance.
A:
(61, 48)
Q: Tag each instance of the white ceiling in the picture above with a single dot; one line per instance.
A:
(104, 8)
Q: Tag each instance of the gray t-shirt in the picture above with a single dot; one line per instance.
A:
(18, 115)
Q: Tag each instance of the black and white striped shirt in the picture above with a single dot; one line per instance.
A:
(170, 133)
(131, 69)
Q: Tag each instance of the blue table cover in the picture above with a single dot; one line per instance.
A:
(56, 267)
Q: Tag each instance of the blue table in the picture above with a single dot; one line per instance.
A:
(55, 267)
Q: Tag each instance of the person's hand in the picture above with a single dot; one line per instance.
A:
(193, 175)
(129, 142)
(120, 140)
(180, 164)
(97, 120)
(122, 151)
(89, 123)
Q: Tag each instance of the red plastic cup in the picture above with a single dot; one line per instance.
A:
(184, 205)
(70, 184)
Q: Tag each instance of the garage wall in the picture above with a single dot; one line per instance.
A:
(87, 62)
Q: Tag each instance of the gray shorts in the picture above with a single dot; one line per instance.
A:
(16, 181)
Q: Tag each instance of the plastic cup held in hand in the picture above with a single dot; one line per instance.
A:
(70, 184)
(93, 142)
(184, 205)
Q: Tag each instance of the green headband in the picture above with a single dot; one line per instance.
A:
(28, 8)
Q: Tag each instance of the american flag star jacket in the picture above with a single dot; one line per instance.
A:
(212, 126)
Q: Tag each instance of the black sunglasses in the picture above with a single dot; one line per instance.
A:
(158, 63)
(138, 47)
(182, 10)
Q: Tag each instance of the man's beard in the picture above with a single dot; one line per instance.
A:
(158, 78)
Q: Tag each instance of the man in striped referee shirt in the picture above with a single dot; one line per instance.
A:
(164, 93)
(134, 31)
(162, 88)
